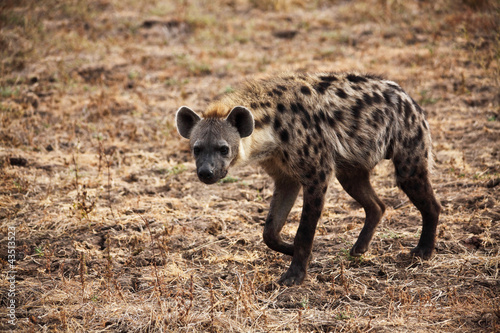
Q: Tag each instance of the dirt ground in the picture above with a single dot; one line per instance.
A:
(113, 231)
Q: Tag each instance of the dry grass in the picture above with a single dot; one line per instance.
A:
(115, 233)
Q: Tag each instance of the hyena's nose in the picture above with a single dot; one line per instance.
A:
(206, 175)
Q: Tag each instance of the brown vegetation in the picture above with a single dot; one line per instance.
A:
(115, 233)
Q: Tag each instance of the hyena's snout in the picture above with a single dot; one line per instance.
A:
(209, 174)
(206, 174)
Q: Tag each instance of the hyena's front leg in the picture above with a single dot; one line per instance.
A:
(285, 193)
(313, 205)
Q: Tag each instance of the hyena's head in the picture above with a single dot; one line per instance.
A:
(214, 141)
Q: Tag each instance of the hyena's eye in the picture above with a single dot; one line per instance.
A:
(224, 150)
(196, 151)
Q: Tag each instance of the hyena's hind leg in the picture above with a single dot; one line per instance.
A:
(412, 176)
(356, 182)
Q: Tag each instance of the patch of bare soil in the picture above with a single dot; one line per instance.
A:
(113, 231)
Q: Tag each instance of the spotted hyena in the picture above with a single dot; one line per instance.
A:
(304, 128)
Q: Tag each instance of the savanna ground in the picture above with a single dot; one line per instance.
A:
(114, 232)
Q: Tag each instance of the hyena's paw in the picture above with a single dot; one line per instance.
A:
(358, 249)
(293, 275)
(424, 252)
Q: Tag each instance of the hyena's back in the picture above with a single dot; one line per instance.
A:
(335, 119)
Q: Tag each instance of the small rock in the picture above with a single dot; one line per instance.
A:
(285, 34)
(18, 161)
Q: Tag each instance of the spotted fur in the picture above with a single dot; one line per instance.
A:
(308, 127)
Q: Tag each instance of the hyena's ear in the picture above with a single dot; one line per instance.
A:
(241, 118)
(185, 118)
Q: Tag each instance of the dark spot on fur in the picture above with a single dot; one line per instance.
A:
(277, 92)
(294, 107)
(306, 150)
(305, 123)
(377, 98)
(356, 78)
(280, 87)
(322, 176)
(403, 171)
(299, 152)
(316, 149)
(328, 78)
(305, 90)
(356, 109)
(277, 123)
(253, 105)
(311, 173)
(270, 94)
(299, 132)
(316, 118)
(419, 135)
(395, 86)
(338, 115)
(321, 87)
(367, 99)
(389, 150)
(318, 128)
(341, 93)
(300, 108)
(400, 105)
(407, 112)
(281, 108)
(286, 156)
(308, 139)
(387, 96)
(284, 136)
(331, 122)
(322, 115)
(406, 143)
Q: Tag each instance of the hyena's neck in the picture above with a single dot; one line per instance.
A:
(257, 147)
